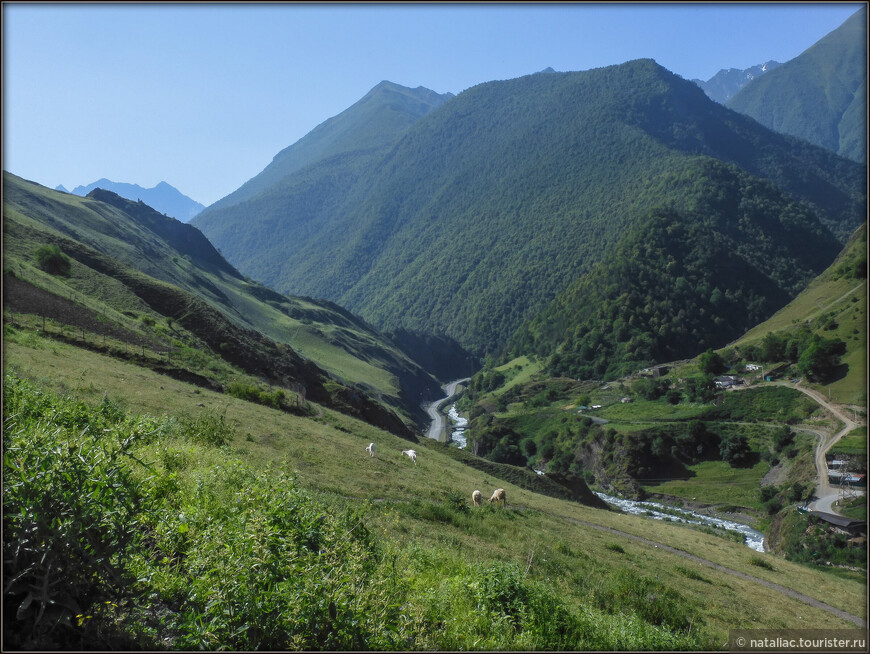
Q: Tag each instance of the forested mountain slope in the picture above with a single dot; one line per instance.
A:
(683, 279)
(110, 234)
(820, 95)
(496, 201)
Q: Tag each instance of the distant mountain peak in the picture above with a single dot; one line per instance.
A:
(376, 120)
(725, 84)
(820, 95)
(164, 197)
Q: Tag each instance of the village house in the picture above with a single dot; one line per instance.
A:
(727, 381)
(842, 524)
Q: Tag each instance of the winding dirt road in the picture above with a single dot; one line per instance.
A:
(825, 493)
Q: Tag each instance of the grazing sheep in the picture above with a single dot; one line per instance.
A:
(477, 497)
(371, 449)
(411, 455)
(498, 497)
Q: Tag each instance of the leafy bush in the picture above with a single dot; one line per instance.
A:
(50, 259)
(711, 363)
(650, 599)
(72, 507)
(275, 399)
(734, 449)
(208, 429)
(761, 563)
(276, 571)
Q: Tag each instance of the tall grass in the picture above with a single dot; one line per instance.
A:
(133, 532)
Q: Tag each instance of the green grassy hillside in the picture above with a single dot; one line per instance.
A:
(820, 95)
(497, 200)
(194, 520)
(139, 238)
(524, 411)
(833, 306)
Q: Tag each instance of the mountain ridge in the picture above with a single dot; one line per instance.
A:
(505, 194)
(820, 95)
(356, 129)
(135, 236)
(164, 197)
(728, 81)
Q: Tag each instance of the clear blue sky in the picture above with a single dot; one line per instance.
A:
(202, 96)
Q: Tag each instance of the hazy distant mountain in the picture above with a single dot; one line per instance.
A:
(489, 206)
(60, 187)
(165, 198)
(727, 82)
(820, 95)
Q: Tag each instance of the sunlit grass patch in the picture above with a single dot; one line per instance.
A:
(716, 482)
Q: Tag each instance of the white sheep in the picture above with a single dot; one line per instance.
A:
(411, 455)
(498, 497)
(477, 497)
(371, 449)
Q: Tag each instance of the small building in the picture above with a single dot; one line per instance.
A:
(660, 371)
(851, 478)
(727, 381)
(842, 523)
(752, 366)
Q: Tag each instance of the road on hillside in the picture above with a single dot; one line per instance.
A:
(438, 428)
(826, 495)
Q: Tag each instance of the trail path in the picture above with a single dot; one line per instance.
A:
(736, 573)
(806, 599)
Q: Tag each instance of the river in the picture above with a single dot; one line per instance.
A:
(752, 538)
(438, 430)
(459, 424)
